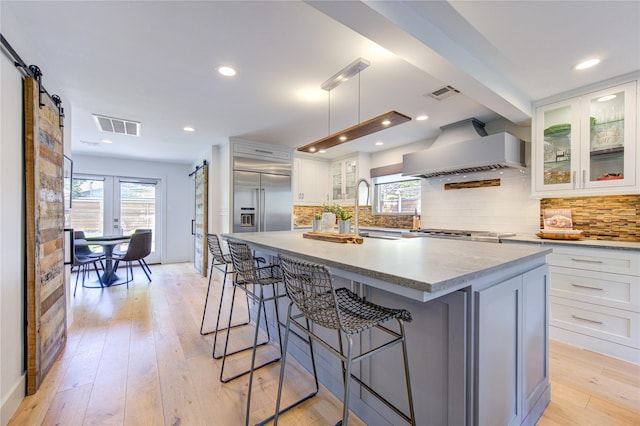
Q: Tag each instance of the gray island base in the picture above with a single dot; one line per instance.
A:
(478, 342)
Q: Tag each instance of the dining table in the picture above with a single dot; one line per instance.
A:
(108, 242)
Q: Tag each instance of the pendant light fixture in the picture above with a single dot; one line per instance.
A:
(381, 122)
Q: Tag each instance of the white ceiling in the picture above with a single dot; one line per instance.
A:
(154, 62)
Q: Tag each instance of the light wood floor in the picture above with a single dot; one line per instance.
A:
(135, 357)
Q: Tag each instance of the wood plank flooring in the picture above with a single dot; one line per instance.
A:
(135, 357)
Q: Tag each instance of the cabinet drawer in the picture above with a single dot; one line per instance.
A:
(616, 261)
(614, 290)
(613, 325)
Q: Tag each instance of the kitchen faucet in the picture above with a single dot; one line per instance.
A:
(356, 228)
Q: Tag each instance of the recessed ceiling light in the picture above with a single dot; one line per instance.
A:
(322, 151)
(226, 71)
(386, 122)
(312, 149)
(587, 64)
(422, 117)
(379, 143)
(106, 141)
(188, 129)
(606, 98)
(343, 138)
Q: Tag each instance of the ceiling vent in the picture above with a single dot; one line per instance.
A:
(117, 125)
(443, 93)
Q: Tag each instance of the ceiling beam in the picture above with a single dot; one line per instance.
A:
(407, 32)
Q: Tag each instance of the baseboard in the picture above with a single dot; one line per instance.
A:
(12, 401)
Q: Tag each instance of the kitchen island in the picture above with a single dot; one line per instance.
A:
(478, 342)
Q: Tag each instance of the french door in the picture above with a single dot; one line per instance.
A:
(116, 205)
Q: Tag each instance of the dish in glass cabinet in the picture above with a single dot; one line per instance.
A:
(611, 176)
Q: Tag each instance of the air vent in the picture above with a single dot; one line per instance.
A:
(443, 93)
(117, 125)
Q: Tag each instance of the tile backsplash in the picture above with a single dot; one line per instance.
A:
(612, 217)
(302, 216)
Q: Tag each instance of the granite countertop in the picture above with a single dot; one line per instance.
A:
(424, 264)
(603, 244)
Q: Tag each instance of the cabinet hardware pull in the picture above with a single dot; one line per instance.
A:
(586, 286)
(584, 178)
(586, 319)
(574, 179)
(576, 259)
(263, 151)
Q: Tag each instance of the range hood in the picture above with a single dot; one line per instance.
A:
(464, 147)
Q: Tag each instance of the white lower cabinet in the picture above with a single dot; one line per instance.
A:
(595, 300)
(511, 343)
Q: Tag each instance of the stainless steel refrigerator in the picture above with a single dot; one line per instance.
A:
(261, 195)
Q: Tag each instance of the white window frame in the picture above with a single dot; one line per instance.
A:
(398, 177)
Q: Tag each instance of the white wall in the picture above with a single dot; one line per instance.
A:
(11, 241)
(177, 193)
(12, 228)
(506, 208)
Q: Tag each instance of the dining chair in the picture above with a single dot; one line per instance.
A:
(85, 250)
(82, 262)
(144, 262)
(139, 247)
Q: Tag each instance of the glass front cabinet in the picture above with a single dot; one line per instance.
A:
(586, 145)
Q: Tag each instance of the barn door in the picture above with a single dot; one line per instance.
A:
(45, 292)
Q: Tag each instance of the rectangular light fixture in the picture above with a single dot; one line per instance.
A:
(345, 74)
(381, 122)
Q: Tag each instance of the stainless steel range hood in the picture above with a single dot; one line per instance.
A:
(464, 147)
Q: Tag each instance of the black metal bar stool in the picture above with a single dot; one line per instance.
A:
(222, 262)
(311, 290)
(252, 279)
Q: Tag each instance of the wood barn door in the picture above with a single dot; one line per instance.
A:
(200, 226)
(45, 305)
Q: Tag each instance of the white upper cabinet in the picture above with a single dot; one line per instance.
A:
(310, 181)
(587, 144)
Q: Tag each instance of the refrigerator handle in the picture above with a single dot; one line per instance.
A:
(263, 210)
(258, 212)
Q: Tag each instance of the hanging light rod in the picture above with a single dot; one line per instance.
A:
(381, 122)
(345, 74)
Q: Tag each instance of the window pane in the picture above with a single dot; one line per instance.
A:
(88, 206)
(398, 197)
(138, 208)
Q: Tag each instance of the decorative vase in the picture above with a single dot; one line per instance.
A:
(344, 227)
(316, 225)
(328, 221)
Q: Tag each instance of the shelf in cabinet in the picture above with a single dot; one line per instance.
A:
(607, 151)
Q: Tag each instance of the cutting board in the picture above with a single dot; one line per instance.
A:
(334, 237)
(550, 235)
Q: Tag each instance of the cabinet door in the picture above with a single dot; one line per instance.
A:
(350, 178)
(498, 340)
(608, 128)
(297, 182)
(557, 151)
(337, 180)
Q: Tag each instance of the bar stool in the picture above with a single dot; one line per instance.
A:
(220, 261)
(252, 279)
(311, 290)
